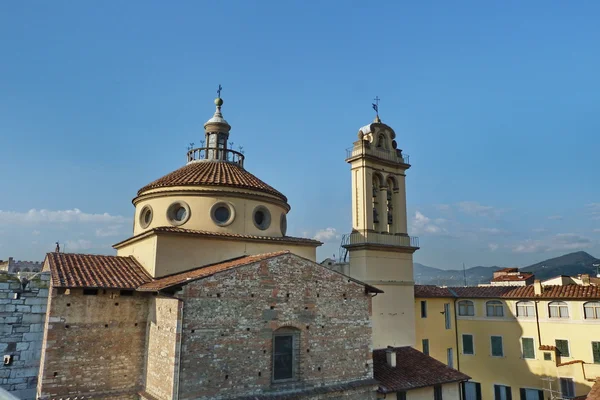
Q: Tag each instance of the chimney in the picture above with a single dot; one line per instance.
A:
(537, 287)
(390, 354)
(585, 279)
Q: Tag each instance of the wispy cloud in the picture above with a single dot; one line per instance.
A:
(77, 245)
(494, 231)
(49, 216)
(421, 224)
(36, 233)
(326, 235)
(559, 242)
(112, 230)
(555, 217)
(538, 230)
(475, 208)
(493, 246)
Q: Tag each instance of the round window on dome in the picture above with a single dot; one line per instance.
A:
(145, 216)
(261, 217)
(283, 224)
(178, 213)
(222, 213)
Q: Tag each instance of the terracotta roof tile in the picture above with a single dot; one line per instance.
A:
(510, 292)
(413, 370)
(595, 392)
(208, 270)
(193, 232)
(508, 278)
(547, 347)
(95, 271)
(203, 272)
(212, 173)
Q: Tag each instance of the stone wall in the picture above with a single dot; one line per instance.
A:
(163, 337)
(22, 314)
(229, 320)
(94, 345)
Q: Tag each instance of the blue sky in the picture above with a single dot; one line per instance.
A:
(496, 103)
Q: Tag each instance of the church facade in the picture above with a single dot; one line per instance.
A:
(210, 299)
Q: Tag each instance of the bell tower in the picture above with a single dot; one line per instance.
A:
(379, 247)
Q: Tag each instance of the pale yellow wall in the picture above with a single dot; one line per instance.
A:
(450, 391)
(144, 251)
(433, 328)
(380, 265)
(178, 253)
(200, 204)
(512, 369)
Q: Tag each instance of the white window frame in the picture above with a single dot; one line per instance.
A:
(523, 350)
(496, 303)
(465, 302)
(559, 304)
(491, 346)
(596, 311)
(527, 304)
(572, 381)
(462, 344)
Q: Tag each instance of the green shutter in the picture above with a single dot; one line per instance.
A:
(596, 352)
(528, 349)
(497, 350)
(467, 344)
(523, 394)
(563, 347)
(508, 393)
(478, 389)
(426, 346)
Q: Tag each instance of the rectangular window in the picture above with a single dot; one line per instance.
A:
(472, 391)
(531, 394)
(467, 342)
(528, 347)
(548, 356)
(401, 395)
(447, 316)
(425, 343)
(525, 309)
(450, 357)
(283, 357)
(423, 309)
(596, 352)
(563, 347)
(90, 292)
(567, 388)
(497, 349)
(502, 392)
(437, 392)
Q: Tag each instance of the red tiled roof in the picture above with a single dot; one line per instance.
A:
(510, 292)
(507, 278)
(212, 173)
(413, 370)
(547, 347)
(509, 269)
(595, 392)
(208, 270)
(203, 272)
(193, 232)
(95, 271)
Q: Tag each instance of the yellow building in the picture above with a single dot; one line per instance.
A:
(530, 342)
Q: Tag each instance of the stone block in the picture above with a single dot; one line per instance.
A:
(36, 301)
(36, 328)
(24, 309)
(43, 293)
(32, 337)
(23, 373)
(33, 318)
(22, 346)
(38, 309)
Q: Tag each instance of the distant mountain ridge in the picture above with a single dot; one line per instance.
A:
(579, 262)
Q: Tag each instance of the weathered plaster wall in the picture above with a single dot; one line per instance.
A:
(21, 331)
(93, 344)
(164, 338)
(229, 319)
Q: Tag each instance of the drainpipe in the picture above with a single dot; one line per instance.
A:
(456, 335)
(537, 322)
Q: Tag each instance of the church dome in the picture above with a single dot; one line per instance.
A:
(213, 173)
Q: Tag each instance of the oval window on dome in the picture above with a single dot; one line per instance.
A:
(283, 224)
(261, 217)
(178, 213)
(222, 213)
(146, 216)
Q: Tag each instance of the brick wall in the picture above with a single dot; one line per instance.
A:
(229, 320)
(21, 330)
(93, 344)
(163, 338)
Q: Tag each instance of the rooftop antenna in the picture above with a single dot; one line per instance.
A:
(190, 146)
(465, 274)
(57, 249)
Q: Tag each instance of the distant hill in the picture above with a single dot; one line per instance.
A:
(579, 262)
(569, 264)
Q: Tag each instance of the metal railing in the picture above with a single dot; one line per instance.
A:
(215, 154)
(389, 155)
(356, 238)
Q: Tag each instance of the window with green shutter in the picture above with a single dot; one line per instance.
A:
(497, 349)
(425, 346)
(528, 348)
(467, 344)
(596, 352)
(563, 347)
